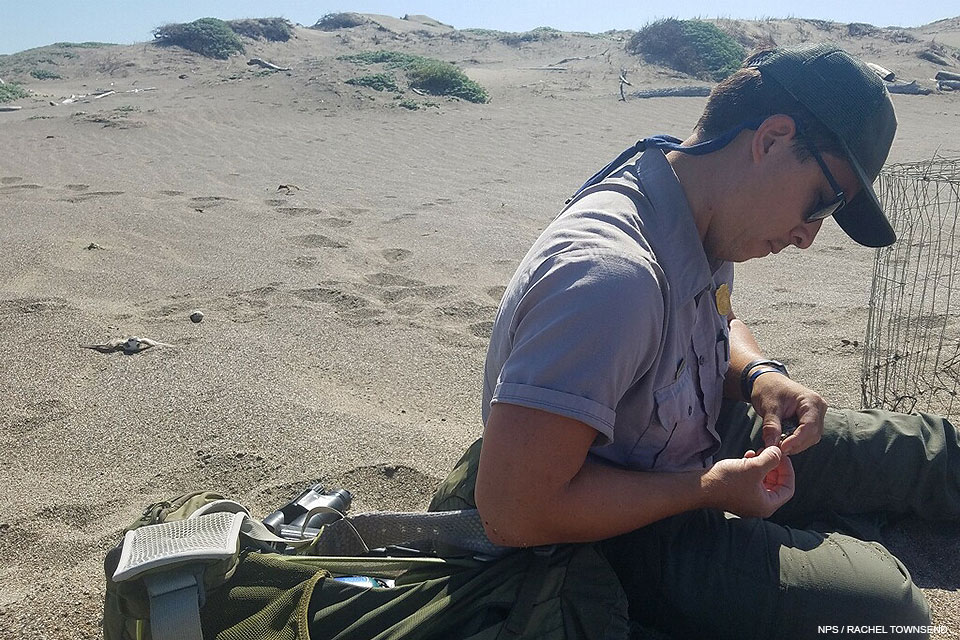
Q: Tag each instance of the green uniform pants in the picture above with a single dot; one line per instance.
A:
(799, 574)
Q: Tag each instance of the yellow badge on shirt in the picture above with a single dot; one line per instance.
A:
(723, 299)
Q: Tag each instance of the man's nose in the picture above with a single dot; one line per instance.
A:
(804, 234)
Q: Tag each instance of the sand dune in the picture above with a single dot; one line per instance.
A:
(346, 313)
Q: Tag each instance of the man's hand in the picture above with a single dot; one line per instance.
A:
(777, 398)
(755, 485)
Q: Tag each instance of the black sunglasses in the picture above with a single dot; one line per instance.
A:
(839, 200)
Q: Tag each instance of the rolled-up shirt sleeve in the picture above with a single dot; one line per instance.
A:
(588, 325)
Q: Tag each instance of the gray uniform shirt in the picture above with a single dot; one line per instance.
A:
(612, 319)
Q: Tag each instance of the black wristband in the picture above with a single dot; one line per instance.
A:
(746, 382)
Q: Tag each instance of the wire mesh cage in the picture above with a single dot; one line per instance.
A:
(912, 346)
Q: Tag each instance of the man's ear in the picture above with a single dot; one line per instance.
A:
(773, 134)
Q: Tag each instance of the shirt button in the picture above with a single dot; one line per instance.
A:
(701, 359)
(690, 410)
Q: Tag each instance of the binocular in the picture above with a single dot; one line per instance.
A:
(290, 521)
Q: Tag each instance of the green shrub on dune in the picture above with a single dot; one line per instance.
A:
(444, 79)
(209, 37)
(691, 46)
(272, 29)
(377, 81)
(426, 74)
(45, 74)
(334, 21)
(393, 59)
(540, 34)
(10, 92)
(83, 45)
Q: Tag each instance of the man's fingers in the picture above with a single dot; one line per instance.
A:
(795, 442)
(803, 437)
(768, 459)
(771, 430)
(785, 483)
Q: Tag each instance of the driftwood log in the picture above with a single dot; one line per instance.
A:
(673, 92)
(909, 88)
(566, 60)
(883, 72)
(266, 65)
(934, 57)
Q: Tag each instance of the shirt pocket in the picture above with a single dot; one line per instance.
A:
(723, 354)
(676, 413)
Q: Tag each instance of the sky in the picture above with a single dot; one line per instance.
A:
(32, 23)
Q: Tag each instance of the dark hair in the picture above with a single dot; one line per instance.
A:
(746, 95)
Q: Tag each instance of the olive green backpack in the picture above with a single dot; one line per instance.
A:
(199, 567)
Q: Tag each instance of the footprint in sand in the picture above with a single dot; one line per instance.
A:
(482, 329)
(211, 201)
(467, 310)
(33, 305)
(233, 469)
(14, 187)
(248, 305)
(73, 515)
(349, 306)
(335, 223)
(402, 217)
(10, 179)
(306, 262)
(392, 280)
(793, 305)
(496, 292)
(299, 212)
(436, 202)
(317, 241)
(339, 299)
(39, 414)
(423, 293)
(90, 195)
(172, 305)
(396, 254)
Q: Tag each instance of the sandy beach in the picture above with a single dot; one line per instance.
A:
(348, 256)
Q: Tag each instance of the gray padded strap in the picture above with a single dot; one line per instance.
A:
(461, 529)
(174, 605)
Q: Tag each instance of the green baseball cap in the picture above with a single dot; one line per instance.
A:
(851, 101)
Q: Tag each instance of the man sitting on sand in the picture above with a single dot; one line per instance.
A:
(618, 377)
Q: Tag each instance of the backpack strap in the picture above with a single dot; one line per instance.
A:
(668, 143)
(176, 559)
(174, 605)
(356, 534)
(171, 559)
